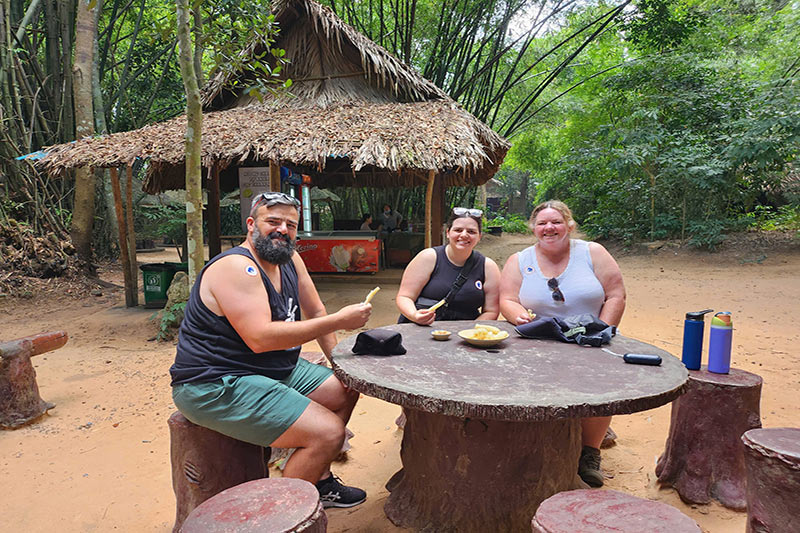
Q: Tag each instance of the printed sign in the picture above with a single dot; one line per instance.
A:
(252, 180)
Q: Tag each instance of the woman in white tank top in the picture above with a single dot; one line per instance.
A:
(562, 276)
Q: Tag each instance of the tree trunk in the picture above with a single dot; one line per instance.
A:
(193, 140)
(101, 127)
(82, 68)
(66, 15)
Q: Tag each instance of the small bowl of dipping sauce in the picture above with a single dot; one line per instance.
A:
(440, 334)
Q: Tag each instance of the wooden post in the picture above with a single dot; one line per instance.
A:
(428, 202)
(123, 239)
(274, 176)
(212, 212)
(133, 265)
(438, 213)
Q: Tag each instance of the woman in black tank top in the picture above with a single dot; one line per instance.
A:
(430, 276)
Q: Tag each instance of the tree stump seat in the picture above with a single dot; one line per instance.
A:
(20, 402)
(205, 463)
(277, 505)
(600, 511)
(704, 457)
(772, 458)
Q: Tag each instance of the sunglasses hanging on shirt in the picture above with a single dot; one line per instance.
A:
(552, 284)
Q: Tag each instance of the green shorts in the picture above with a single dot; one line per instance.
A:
(254, 409)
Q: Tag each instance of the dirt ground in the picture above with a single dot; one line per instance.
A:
(99, 461)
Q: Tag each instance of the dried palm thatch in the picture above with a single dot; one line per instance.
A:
(357, 116)
(404, 139)
(331, 63)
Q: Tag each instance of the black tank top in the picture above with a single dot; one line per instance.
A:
(468, 301)
(208, 346)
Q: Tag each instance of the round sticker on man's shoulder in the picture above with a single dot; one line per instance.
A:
(251, 270)
(478, 285)
(529, 270)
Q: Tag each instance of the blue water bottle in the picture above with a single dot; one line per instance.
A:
(693, 339)
(719, 343)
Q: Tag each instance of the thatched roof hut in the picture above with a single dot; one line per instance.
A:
(355, 115)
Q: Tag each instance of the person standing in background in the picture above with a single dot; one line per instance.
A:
(390, 218)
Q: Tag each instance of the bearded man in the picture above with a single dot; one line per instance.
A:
(237, 369)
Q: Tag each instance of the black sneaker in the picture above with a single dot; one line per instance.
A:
(333, 494)
(589, 467)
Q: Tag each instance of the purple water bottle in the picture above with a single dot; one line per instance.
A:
(693, 339)
(719, 343)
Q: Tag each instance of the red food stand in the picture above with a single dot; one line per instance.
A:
(339, 251)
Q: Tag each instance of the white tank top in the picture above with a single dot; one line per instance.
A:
(582, 291)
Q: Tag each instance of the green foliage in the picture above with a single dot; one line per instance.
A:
(512, 223)
(767, 218)
(169, 320)
(162, 221)
(662, 24)
(696, 128)
(708, 234)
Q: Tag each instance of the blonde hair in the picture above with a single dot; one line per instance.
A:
(565, 212)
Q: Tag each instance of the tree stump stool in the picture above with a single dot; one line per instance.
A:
(204, 463)
(278, 505)
(20, 402)
(599, 511)
(772, 457)
(704, 457)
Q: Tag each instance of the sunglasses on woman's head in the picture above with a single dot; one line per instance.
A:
(463, 211)
(552, 284)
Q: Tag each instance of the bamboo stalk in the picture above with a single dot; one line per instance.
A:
(123, 241)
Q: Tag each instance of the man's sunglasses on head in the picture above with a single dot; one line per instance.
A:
(274, 198)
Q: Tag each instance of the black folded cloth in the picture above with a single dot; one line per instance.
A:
(586, 329)
(379, 342)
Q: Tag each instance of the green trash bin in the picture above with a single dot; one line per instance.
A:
(157, 277)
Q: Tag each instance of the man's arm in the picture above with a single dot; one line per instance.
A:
(311, 304)
(229, 290)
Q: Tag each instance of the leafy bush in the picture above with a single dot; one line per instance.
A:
(169, 320)
(765, 218)
(707, 234)
(512, 223)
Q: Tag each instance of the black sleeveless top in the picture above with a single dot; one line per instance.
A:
(467, 302)
(208, 346)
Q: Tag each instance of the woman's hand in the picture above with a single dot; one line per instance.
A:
(424, 317)
(522, 319)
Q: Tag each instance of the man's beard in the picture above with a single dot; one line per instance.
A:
(277, 254)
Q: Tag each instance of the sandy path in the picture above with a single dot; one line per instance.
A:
(100, 460)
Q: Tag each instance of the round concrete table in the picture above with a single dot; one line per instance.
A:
(493, 432)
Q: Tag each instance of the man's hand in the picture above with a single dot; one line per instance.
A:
(353, 316)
